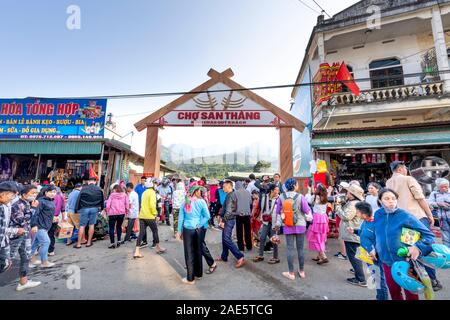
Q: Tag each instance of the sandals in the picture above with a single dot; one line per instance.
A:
(273, 261)
(161, 251)
(315, 259)
(76, 247)
(211, 269)
(219, 259)
(323, 261)
(89, 245)
(137, 257)
(258, 259)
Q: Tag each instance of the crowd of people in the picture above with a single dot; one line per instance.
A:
(261, 210)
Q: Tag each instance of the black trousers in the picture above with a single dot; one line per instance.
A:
(51, 235)
(193, 253)
(243, 230)
(115, 224)
(129, 229)
(143, 224)
(205, 251)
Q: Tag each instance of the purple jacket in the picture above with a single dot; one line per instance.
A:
(59, 204)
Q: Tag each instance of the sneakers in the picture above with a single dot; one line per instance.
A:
(51, 254)
(34, 265)
(143, 245)
(48, 265)
(30, 284)
(339, 255)
(153, 246)
(352, 271)
(355, 282)
(436, 285)
(185, 281)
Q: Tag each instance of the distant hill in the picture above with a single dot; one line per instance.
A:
(212, 162)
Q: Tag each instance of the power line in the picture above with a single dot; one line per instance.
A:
(306, 5)
(165, 94)
(323, 10)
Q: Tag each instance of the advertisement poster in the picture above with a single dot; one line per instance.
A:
(302, 140)
(52, 118)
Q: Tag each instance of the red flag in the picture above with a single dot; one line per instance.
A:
(347, 79)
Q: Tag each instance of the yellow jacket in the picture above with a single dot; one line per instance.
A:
(148, 205)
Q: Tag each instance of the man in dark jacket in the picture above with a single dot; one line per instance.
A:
(90, 202)
(228, 214)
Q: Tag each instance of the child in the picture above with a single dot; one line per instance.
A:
(367, 236)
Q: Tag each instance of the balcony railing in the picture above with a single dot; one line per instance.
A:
(388, 94)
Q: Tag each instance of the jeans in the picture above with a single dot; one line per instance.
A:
(88, 216)
(115, 222)
(143, 224)
(42, 241)
(227, 242)
(22, 246)
(51, 235)
(299, 241)
(243, 230)
(357, 265)
(377, 271)
(431, 272)
(267, 231)
(129, 229)
(192, 253)
(394, 289)
(205, 251)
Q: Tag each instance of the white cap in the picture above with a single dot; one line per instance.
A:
(149, 183)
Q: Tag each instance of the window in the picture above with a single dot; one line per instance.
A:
(344, 87)
(386, 73)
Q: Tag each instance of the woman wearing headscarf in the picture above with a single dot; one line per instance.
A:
(194, 215)
(178, 199)
(440, 200)
(295, 234)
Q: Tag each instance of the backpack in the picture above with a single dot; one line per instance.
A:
(289, 210)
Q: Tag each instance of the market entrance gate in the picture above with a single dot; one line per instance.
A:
(220, 102)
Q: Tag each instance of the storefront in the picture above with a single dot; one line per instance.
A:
(65, 162)
(58, 140)
(365, 155)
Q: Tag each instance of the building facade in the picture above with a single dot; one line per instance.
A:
(397, 52)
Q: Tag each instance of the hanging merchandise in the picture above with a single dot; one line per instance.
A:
(369, 158)
(383, 158)
(353, 158)
(321, 166)
(364, 159)
(404, 157)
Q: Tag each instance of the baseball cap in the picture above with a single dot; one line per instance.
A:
(395, 164)
(8, 186)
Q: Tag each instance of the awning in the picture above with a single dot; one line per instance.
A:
(50, 147)
(377, 139)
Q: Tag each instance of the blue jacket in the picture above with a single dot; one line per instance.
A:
(366, 234)
(388, 229)
(222, 196)
(198, 217)
(140, 190)
(72, 200)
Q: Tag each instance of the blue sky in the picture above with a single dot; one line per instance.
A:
(144, 46)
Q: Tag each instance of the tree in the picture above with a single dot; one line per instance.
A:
(260, 166)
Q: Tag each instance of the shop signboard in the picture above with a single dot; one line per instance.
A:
(220, 108)
(302, 140)
(52, 118)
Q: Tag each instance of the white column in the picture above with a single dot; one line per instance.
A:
(321, 47)
(440, 46)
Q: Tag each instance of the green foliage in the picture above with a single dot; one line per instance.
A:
(261, 166)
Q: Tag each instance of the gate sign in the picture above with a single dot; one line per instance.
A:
(52, 118)
(220, 109)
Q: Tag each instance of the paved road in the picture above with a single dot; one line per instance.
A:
(113, 274)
